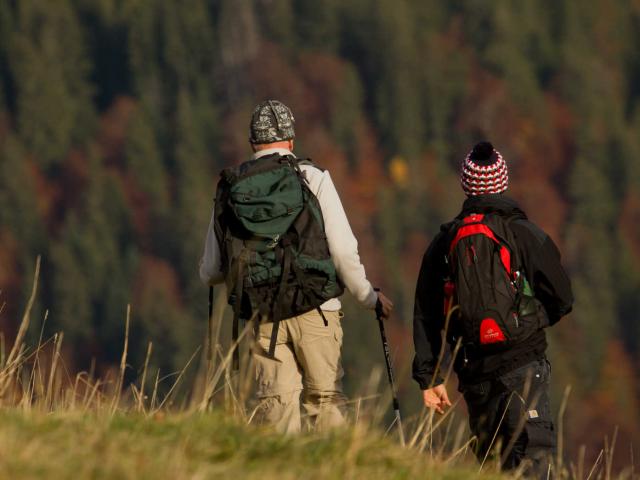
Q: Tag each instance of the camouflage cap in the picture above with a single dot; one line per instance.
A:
(271, 121)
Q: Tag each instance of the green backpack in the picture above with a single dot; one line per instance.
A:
(275, 255)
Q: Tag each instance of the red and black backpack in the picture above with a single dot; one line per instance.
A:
(497, 308)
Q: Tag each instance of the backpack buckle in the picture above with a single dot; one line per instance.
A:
(274, 242)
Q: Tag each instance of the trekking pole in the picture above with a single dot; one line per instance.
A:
(210, 334)
(387, 358)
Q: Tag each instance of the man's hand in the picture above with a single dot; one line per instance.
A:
(386, 305)
(436, 397)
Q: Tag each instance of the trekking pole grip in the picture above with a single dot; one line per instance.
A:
(378, 305)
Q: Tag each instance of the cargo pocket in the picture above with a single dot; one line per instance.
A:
(532, 378)
(541, 440)
(319, 353)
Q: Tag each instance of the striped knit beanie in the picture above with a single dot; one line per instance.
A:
(484, 171)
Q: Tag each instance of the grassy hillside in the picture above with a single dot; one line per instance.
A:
(54, 425)
(73, 445)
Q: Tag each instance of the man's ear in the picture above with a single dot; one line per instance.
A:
(291, 145)
(253, 147)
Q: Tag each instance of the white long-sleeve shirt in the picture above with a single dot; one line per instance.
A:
(343, 245)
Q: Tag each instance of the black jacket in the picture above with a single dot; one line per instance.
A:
(541, 262)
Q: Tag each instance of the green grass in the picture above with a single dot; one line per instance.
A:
(195, 446)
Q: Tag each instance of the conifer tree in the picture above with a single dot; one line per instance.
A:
(50, 70)
(318, 23)
(20, 217)
(143, 161)
(277, 22)
(94, 262)
(193, 202)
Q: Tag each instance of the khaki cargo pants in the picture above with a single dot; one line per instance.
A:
(308, 361)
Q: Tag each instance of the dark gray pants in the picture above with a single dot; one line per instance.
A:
(513, 412)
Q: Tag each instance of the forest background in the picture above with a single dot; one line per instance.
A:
(116, 117)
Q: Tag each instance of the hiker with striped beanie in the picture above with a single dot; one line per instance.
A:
(499, 281)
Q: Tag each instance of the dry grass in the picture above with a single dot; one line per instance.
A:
(55, 425)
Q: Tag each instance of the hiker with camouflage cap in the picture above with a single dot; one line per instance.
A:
(280, 239)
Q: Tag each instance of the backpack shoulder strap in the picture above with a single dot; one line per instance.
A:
(509, 237)
(296, 163)
(219, 207)
(310, 163)
(229, 175)
(448, 232)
